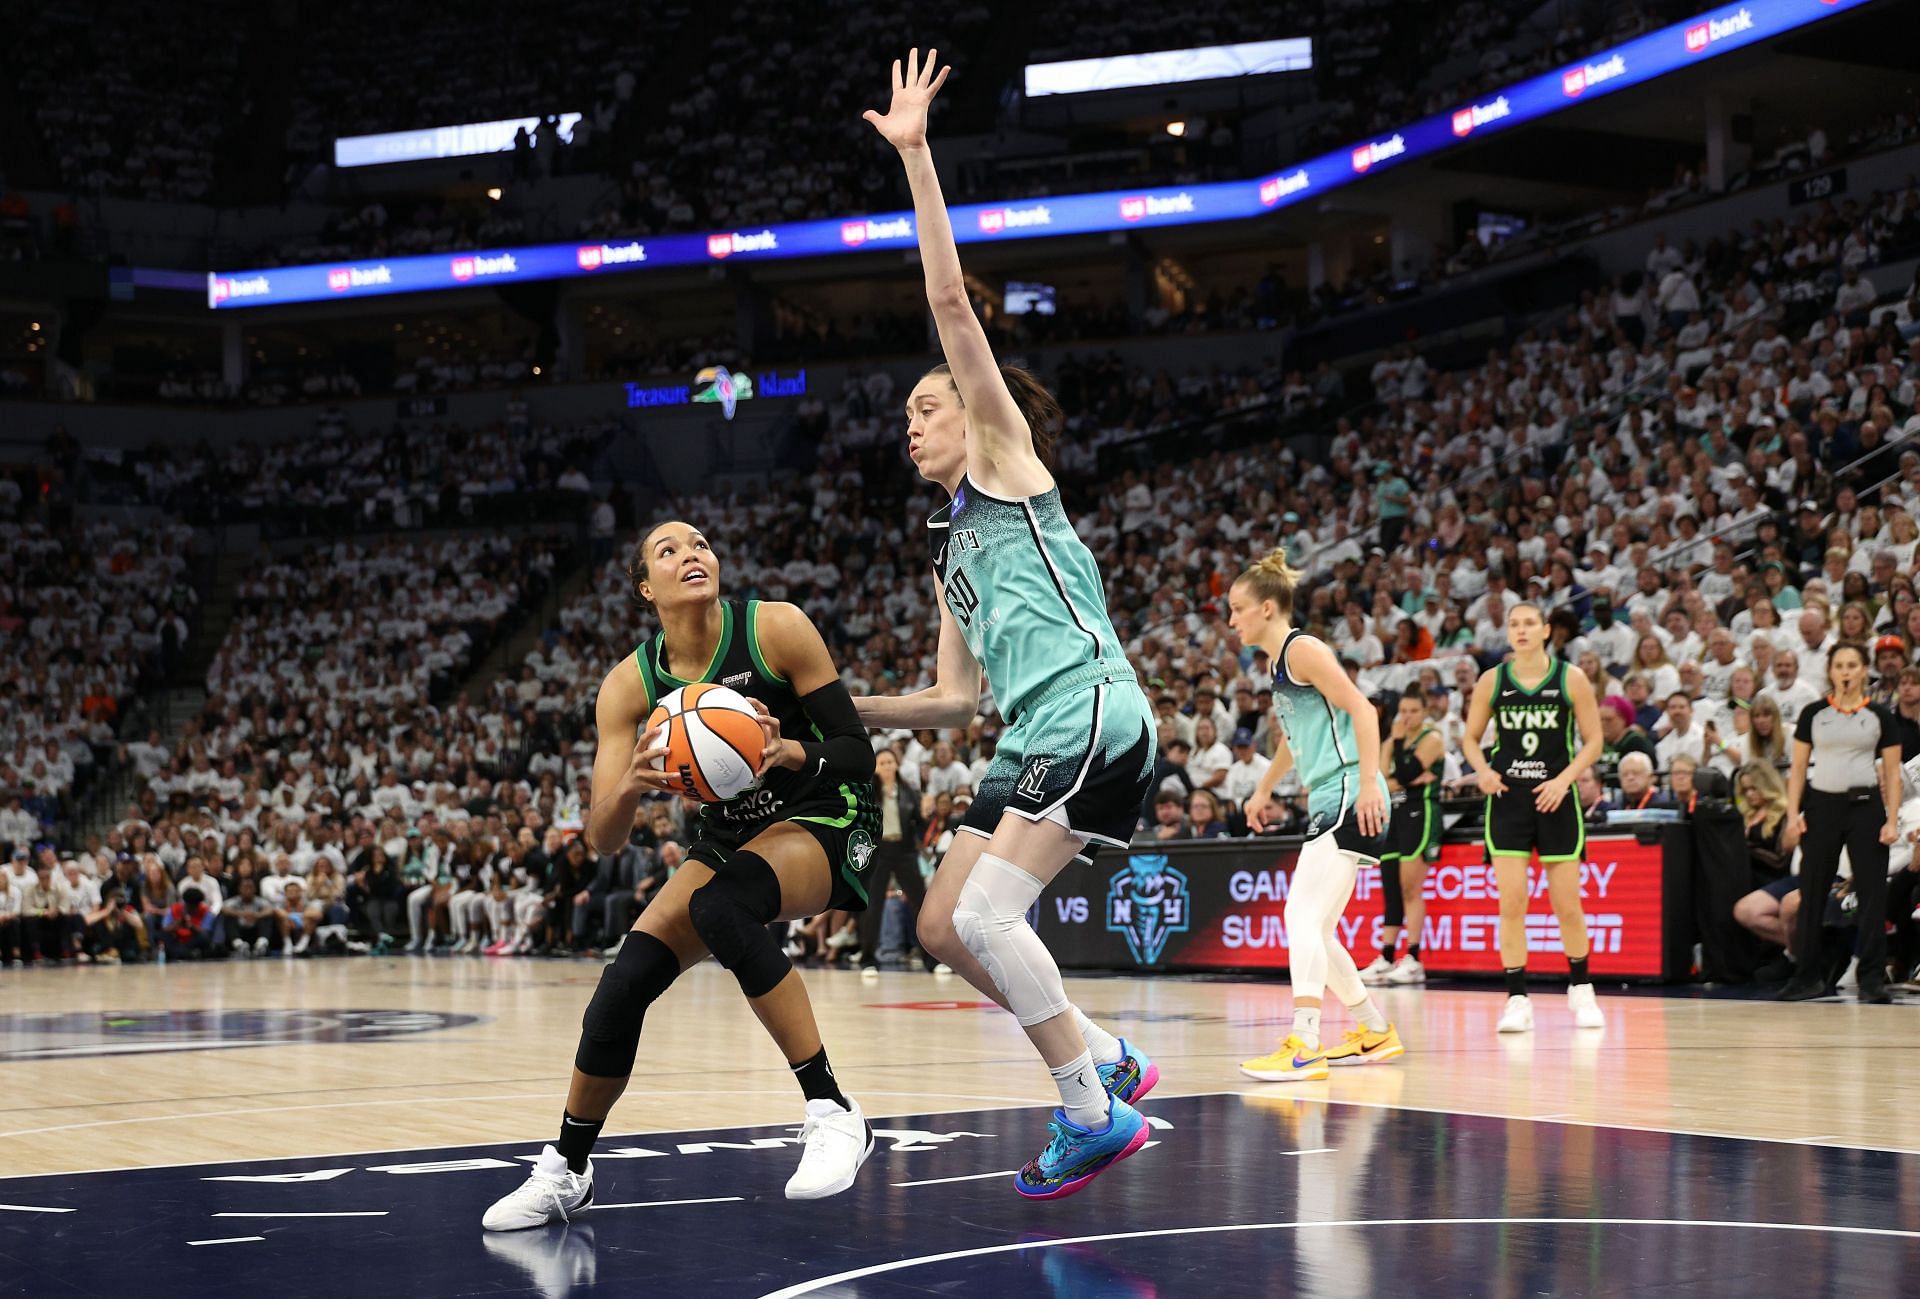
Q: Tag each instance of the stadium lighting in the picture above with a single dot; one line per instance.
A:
(1176, 129)
(493, 192)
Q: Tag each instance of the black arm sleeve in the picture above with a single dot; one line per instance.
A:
(845, 750)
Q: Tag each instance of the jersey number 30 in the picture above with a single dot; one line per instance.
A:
(962, 598)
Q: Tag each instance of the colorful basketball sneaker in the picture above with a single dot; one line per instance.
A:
(1295, 1061)
(1364, 1046)
(1077, 1155)
(1130, 1077)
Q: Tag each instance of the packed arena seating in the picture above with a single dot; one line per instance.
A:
(417, 473)
(91, 614)
(1668, 466)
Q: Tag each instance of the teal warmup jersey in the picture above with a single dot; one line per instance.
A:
(1320, 738)
(1026, 593)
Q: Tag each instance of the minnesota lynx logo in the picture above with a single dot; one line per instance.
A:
(1033, 781)
(859, 850)
(1148, 903)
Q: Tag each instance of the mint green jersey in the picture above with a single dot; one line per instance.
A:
(1319, 736)
(1026, 594)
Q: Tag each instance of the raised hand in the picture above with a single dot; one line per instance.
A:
(904, 124)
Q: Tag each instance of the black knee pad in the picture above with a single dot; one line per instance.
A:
(1394, 903)
(731, 912)
(610, 1029)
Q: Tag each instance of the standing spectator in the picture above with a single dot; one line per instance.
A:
(893, 860)
(1837, 798)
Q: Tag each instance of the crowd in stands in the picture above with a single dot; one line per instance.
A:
(415, 473)
(1705, 477)
(91, 613)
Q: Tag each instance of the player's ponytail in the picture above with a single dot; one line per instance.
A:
(1038, 406)
(1271, 579)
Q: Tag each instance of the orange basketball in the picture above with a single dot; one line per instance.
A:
(713, 740)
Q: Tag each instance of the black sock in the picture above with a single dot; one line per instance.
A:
(576, 1140)
(817, 1082)
(1413, 950)
(1578, 964)
(1388, 949)
(1517, 981)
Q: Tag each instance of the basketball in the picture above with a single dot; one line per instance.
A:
(713, 740)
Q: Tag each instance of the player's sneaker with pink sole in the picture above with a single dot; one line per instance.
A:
(1077, 1155)
(1130, 1077)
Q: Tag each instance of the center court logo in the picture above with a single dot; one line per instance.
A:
(855, 233)
(1148, 903)
(1272, 191)
(1474, 115)
(1376, 151)
(1701, 35)
(726, 245)
(1576, 81)
(1146, 205)
(997, 220)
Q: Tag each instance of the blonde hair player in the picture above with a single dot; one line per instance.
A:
(1021, 597)
(1332, 733)
(1534, 701)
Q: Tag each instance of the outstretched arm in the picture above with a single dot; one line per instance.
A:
(953, 698)
(997, 433)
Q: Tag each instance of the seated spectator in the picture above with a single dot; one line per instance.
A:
(1204, 819)
(10, 943)
(189, 929)
(1168, 820)
(1637, 790)
(252, 923)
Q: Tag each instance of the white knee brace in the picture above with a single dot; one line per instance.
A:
(991, 921)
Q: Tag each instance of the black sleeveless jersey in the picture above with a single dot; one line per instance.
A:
(737, 664)
(1407, 767)
(1534, 728)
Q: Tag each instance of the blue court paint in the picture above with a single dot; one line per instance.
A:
(1393, 1201)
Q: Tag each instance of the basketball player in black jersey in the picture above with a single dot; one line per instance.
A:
(794, 843)
(1414, 758)
(1534, 701)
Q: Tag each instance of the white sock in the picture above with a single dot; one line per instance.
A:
(1081, 1095)
(1102, 1045)
(1306, 1024)
(1369, 1015)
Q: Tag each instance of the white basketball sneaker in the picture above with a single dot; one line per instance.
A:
(1405, 971)
(1586, 1011)
(552, 1193)
(1376, 974)
(1517, 1017)
(837, 1142)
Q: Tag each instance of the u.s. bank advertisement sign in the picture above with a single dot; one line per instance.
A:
(1222, 906)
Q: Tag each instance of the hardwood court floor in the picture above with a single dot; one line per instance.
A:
(104, 1068)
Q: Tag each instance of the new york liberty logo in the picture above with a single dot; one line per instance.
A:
(1148, 903)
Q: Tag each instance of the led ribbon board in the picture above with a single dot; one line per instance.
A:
(1633, 63)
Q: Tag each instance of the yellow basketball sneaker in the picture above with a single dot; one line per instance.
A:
(1364, 1046)
(1295, 1061)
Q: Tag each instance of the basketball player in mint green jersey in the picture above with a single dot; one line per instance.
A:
(1328, 730)
(1020, 597)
